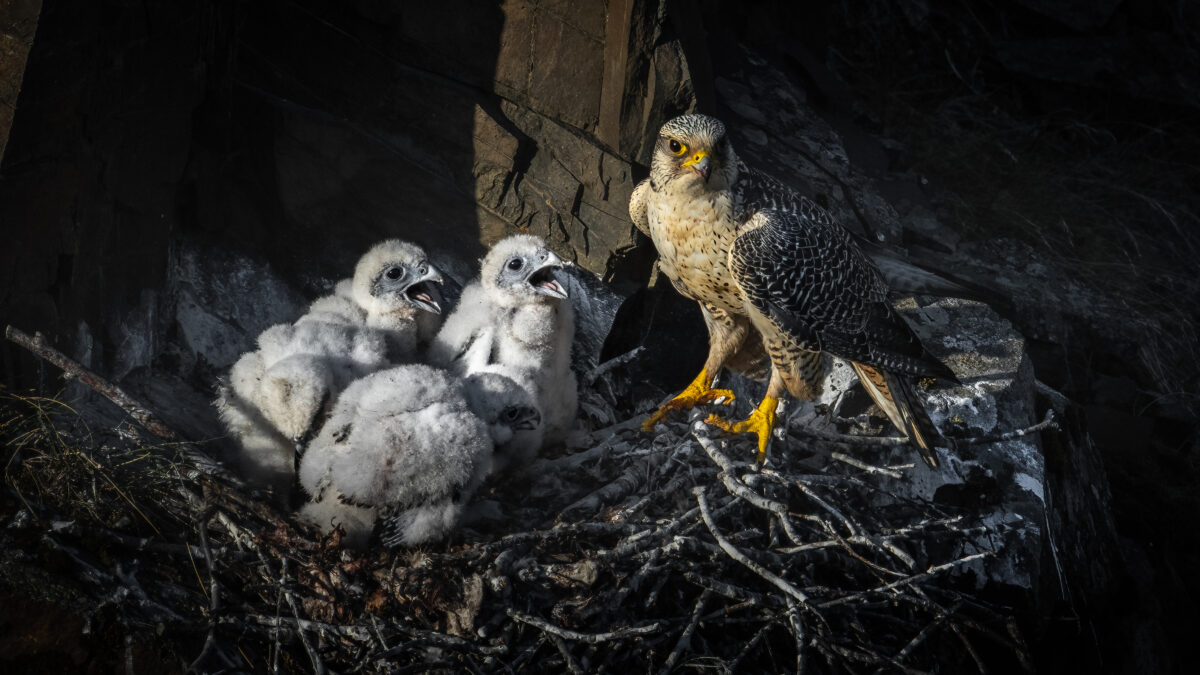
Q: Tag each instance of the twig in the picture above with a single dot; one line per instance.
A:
(38, 345)
(841, 457)
(927, 631)
(797, 626)
(685, 638)
(615, 362)
(739, 489)
(589, 638)
(1048, 422)
(732, 666)
(737, 555)
(355, 633)
(561, 644)
(317, 663)
(906, 580)
(214, 597)
(729, 590)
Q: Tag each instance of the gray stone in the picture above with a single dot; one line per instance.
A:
(999, 486)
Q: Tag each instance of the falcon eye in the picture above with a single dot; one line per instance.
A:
(394, 273)
(515, 264)
(677, 147)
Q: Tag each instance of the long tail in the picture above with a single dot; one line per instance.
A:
(899, 401)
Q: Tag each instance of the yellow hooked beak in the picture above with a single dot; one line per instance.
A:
(700, 163)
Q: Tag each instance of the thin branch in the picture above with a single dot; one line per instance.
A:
(733, 552)
(685, 638)
(590, 638)
(936, 569)
(615, 362)
(878, 470)
(1048, 422)
(38, 345)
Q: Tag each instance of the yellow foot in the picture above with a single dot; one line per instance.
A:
(699, 392)
(760, 422)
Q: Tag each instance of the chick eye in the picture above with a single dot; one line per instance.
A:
(677, 147)
(510, 414)
(394, 273)
(515, 264)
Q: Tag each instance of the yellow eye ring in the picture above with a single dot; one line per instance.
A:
(676, 147)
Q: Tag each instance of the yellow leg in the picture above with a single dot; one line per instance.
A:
(760, 422)
(698, 392)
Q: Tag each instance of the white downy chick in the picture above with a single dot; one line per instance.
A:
(368, 322)
(511, 413)
(514, 317)
(265, 458)
(403, 446)
(396, 287)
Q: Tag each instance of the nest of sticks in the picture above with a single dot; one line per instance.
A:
(654, 553)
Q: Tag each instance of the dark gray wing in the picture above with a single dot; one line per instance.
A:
(810, 279)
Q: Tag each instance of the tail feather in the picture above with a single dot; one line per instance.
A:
(898, 399)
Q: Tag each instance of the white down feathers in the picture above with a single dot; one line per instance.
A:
(277, 396)
(408, 445)
(514, 321)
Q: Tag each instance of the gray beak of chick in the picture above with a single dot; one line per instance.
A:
(423, 292)
(529, 420)
(547, 279)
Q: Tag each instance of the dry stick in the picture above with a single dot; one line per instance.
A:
(566, 654)
(446, 641)
(214, 598)
(905, 581)
(941, 618)
(733, 552)
(356, 633)
(828, 507)
(318, 664)
(793, 614)
(747, 648)
(38, 345)
(739, 489)
(623, 485)
(685, 638)
(729, 590)
(841, 457)
(1048, 422)
(847, 440)
(645, 539)
(589, 638)
(595, 373)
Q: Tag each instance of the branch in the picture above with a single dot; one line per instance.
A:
(1048, 422)
(590, 638)
(685, 638)
(737, 555)
(38, 345)
(617, 361)
(906, 580)
(841, 457)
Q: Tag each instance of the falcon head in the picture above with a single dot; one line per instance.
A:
(522, 269)
(695, 150)
(397, 276)
(508, 409)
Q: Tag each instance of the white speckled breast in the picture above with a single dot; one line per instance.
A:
(693, 237)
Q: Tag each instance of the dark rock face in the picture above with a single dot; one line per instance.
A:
(300, 133)
(18, 23)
